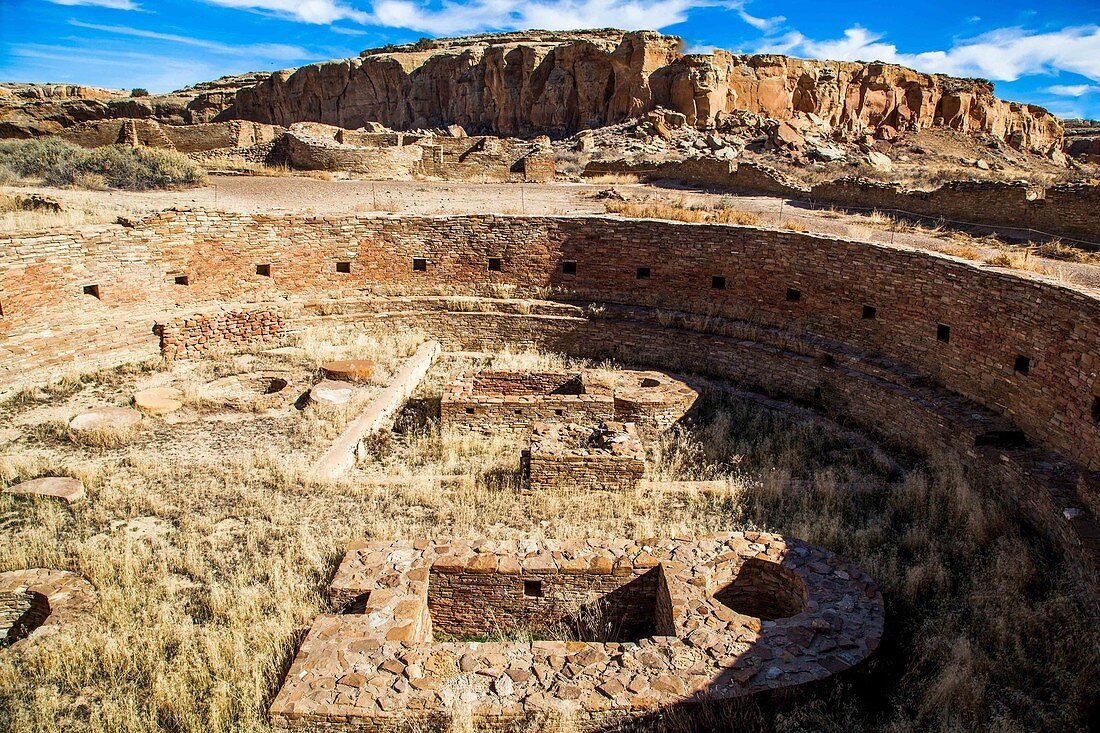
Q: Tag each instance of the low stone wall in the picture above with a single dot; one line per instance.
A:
(567, 457)
(197, 335)
(742, 177)
(511, 402)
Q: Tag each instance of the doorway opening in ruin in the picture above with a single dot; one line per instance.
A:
(588, 607)
(765, 590)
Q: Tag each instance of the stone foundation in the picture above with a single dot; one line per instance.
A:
(630, 628)
(569, 457)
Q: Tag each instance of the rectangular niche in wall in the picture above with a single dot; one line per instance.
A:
(92, 290)
(181, 280)
(263, 270)
(870, 312)
(943, 332)
(718, 282)
(1022, 364)
(344, 268)
(644, 273)
(569, 267)
(532, 588)
(496, 264)
(1096, 409)
(420, 264)
(794, 295)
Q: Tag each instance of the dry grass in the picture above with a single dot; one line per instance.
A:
(204, 599)
(1058, 250)
(263, 169)
(15, 216)
(613, 179)
(680, 212)
(1015, 260)
(795, 225)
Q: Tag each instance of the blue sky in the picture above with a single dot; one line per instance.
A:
(1049, 56)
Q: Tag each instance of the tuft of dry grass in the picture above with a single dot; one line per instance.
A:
(1015, 260)
(1058, 250)
(612, 179)
(795, 226)
(680, 212)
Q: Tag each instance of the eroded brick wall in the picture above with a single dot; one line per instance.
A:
(197, 335)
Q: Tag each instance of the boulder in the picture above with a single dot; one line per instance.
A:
(880, 160)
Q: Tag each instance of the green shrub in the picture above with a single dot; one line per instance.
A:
(116, 166)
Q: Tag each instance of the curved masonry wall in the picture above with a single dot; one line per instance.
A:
(859, 327)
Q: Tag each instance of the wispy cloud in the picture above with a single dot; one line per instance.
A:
(1004, 54)
(307, 11)
(1072, 90)
(112, 4)
(273, 51)
(480, 15)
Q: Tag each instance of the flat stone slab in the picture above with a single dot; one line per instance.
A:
(158, 400)
(332, 393)
(58, 487)
(107, 422)
(348, 370)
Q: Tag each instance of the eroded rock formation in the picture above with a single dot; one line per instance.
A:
(538, 82)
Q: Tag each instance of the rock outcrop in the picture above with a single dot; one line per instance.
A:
(540, 82)
(33, 110)
(557, 83)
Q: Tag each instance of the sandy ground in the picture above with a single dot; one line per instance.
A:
(293, 194)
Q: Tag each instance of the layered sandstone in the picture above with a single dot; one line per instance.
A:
(557, 83)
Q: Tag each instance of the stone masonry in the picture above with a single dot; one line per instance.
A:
(566, 456)
(716, 617)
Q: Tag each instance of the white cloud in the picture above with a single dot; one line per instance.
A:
(308, 11)
(113, 4)
(1072, 90)
(480, 15)
(1004, 54)
(273, 51)
(763, 24)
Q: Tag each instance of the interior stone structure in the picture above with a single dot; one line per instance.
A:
(925, 351)
(502, 402)
(35, 602)
(600, 630)
(260, 390)
(567, 456)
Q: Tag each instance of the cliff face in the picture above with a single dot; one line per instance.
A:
(32, 110)
(557, 83)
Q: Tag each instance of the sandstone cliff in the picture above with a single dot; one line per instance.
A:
(543, 82)
(31, 110)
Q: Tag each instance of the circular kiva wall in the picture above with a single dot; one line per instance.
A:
(926, 350)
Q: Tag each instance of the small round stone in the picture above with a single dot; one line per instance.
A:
(158, 400)
(331, 393)
(349, 370)
(106, 425)
(57, 487)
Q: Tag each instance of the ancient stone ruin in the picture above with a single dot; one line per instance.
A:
(567, 456)
(598, 631)
(36, 601)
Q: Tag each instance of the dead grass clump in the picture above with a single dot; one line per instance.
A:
(1014, 260)
(960, 250)
(613, 179)
(681, 212)
(1058, 250)
(795, 226)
